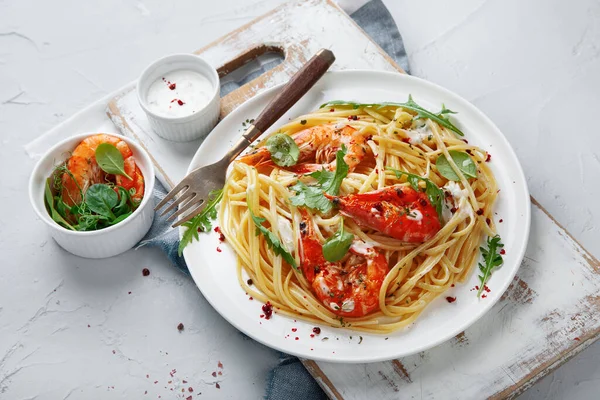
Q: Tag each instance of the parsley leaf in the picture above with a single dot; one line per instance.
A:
(491, 260)
(329, 182)
(272, 241)
(440, 117)
(433, 192)
(201, 222)
(462, 161)
(336, 247)
(284, 151)
(311, 197)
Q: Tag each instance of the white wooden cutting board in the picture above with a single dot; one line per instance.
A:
(549, 314)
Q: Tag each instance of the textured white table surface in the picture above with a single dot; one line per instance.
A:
(531, 66)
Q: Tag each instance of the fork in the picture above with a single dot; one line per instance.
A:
(196, 186)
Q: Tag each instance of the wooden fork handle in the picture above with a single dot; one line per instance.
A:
(297, 87)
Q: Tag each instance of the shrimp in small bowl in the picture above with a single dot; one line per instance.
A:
(94, 192)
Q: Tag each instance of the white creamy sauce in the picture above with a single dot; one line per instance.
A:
(415, 215)
(459, 196)
(465, 208)
(285, 232)
(456, 191)
(322, 285)
(348, 305)
(416, 136)
(360, 247)
(179, 93)
(446, 211)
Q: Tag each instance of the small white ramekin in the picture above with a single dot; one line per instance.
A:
(190, 127)
(105, 242)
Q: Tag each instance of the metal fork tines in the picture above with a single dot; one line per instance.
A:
(193, 192)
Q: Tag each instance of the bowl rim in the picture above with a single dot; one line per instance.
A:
(44, 215)
(176, 57)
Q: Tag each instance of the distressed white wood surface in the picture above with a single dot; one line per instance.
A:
(520, 340)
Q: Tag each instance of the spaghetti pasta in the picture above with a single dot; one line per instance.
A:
(393, 148)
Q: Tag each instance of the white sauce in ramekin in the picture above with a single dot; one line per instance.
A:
(179, 93)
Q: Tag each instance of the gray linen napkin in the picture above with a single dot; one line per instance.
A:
(289, 380)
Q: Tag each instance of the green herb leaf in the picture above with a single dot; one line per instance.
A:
(311, 197)
(433, 192)
(120, 218)
(491, 260)
(462, 161)
(123, 206)
(332, 181)
(336, 247)
(201, 222)
(61, 207)
(441, 117)
(101, 199)
(272, 241)
(327, 182)
(284, 151)
(110, 159)
(49, 199)
(91, 222)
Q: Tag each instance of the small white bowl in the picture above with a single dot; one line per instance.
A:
(189, 127)
(105, 242)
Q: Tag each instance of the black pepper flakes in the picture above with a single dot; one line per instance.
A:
(145, 272)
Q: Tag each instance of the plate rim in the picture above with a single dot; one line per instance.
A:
(525, 226)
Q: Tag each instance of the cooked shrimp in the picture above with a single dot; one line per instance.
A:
(349, 288)
(318, 147)
(84, 171)
(397, 211)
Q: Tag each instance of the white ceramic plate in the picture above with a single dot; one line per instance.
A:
(215, 272)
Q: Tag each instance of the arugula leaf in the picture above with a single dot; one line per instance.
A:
(201, 222)
(491, 260)
(441, 117)
(332, 181)
(54, 214)
(433, 192)
(284, 151)
(336, 247)
(272, 241)
(327, 182)
(101, 199)
(110, 159)
(462, 161)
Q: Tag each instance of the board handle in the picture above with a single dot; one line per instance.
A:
(297, 87)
